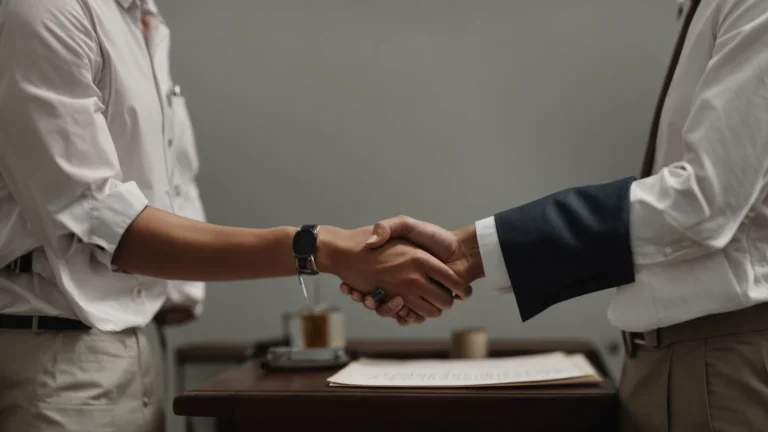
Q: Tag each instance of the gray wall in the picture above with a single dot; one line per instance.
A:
(346, 111)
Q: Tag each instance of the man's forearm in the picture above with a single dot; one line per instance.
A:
(167, 246)
(567, 244)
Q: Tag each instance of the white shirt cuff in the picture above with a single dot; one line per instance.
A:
(114, 213)
(490, 252)
(102, 220)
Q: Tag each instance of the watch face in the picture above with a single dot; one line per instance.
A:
(304, 243)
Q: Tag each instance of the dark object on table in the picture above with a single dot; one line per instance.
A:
(262, 347)
(297, 359)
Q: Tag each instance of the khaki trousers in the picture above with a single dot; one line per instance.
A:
(707, 375)
(73, 381)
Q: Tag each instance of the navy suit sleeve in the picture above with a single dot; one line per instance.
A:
(567, 244)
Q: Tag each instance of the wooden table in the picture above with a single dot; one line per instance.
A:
(246, 398)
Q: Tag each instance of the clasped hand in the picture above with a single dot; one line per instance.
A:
(421, 267)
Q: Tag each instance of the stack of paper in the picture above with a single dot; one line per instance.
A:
(538, 369)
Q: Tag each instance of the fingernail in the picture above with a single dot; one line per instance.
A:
(372, 239)
(396, 303)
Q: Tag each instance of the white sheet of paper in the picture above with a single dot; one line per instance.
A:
(539, 368)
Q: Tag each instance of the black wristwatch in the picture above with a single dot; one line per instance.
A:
(304, 246)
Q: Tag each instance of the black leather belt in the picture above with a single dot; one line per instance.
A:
(26, 322)
(22, 264)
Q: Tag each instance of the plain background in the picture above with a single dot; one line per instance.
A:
(344, 112)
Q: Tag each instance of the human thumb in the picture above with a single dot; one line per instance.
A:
(396, 227)
(379, 236)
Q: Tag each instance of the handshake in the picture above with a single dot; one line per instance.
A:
(421, 267)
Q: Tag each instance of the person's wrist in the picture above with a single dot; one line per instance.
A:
(333, 248)
(470, 248)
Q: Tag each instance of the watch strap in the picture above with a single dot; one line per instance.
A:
(306, 265)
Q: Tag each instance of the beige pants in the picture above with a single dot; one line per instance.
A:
(686, 382)
(79, 382)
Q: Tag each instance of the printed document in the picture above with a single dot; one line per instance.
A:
(537, 369)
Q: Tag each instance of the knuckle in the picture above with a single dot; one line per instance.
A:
(403, 221)
(418, 261)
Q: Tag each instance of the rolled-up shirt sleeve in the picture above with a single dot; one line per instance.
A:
(56, 152)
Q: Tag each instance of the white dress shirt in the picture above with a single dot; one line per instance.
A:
(699, 225)
(92, 131)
